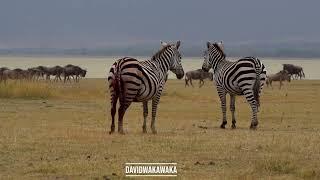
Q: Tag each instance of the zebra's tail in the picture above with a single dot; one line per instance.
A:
(257, 85)
(118, 85)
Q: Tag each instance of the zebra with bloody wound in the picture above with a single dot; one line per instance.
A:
(131, 80)
(243, 77)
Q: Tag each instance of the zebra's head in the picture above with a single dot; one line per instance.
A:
(174, 55)
(213, 55)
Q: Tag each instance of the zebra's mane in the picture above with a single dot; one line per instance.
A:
(218, 48)
(156, 55)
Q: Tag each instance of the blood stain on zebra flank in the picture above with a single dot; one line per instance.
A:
(131, 80)
(245, 77)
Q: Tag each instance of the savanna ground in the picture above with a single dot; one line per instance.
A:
(56, 130)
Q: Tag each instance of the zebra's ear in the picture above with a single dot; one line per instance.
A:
(221, 45)
(178, 44)
(208, 44)
(163, 43)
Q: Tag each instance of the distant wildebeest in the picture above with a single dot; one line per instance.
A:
(44, 71)
(55, 71)
(35, 73)
(197, 74)
(74, 71)
(294, 71)
(283, 75)
(13, 74)
(51, 71)
(1, 73)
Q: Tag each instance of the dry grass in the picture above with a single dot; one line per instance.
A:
(25, 90)
(65, 134)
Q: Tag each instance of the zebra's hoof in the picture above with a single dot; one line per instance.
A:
(233, 126)
(253, 126)
(223, 125)
(144, 130)
(121, 132)
(154, 131)
(112, 128)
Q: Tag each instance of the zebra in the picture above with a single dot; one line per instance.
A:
(131, 80)
(243, 77)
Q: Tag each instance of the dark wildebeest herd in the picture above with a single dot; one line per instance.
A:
(288, 72)
(43, 73)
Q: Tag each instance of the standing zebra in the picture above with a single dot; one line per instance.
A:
(131, 80)
(243, 77)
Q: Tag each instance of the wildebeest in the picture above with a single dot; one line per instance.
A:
(1, 73)
(51, 71)
(35, 73)
(55, 71)
(294, 70)
(43, 71)
(283, 75)
(13, 74)
(72, 70)
(197, 74)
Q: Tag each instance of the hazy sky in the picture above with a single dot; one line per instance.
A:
(101, 23)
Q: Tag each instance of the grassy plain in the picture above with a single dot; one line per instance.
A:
(61, 131)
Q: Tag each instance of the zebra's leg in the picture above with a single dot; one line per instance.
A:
(114, 99)
(145, 115)
(233, 109)
(254, 107)
(121, 111)
(155, 102)
(222, 95)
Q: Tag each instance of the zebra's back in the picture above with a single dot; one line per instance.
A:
(135, 80)
(239, 76)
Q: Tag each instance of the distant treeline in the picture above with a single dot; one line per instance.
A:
(299, 50)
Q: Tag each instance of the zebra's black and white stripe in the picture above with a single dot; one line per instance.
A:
(131, 80)
(243, 77)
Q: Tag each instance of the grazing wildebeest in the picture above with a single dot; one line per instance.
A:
(294, 71)
(131, 80)
(13, 74)
(55, 71)
(72, 70)
(51, 71)
(35, 73)
(197, 74)
(243, 77)
(1, 73)
(283, 75)
(44, 71)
